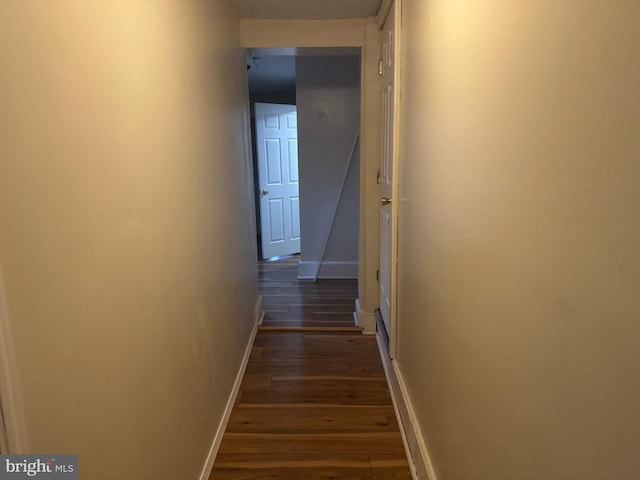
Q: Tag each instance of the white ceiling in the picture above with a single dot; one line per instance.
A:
(306, 9)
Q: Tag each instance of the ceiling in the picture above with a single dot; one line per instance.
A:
(273, 70)
(272, 74)
(306, 9)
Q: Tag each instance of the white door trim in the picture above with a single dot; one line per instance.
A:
(4, 441)
(383, 12)
(397, 63)
(12, 413)
(396, 11)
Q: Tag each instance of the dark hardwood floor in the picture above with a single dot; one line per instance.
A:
(289, 302)
(314, 402)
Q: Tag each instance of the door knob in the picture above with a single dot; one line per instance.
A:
(385, 201)
(265, 192)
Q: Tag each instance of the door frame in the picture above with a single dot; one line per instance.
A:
(394, 7)
(12, 421)
(294, 35)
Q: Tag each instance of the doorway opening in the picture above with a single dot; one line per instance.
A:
(305, 112)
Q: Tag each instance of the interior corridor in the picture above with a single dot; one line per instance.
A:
(497, 221)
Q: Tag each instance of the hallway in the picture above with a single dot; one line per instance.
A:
(129, 300)
(314, 401)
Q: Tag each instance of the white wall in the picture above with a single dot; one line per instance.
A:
(342, 245)
(519, 267)
(328, 99)
(126, 226)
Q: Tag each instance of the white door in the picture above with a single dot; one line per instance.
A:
(387, 187)
(277, 143)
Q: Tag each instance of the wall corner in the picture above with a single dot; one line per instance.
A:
(365, 320)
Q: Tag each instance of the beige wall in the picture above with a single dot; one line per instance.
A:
(519, 268)
(127, 237)
(348, 32)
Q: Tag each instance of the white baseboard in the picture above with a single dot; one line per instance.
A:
(346, 270)
(15, 433)
(217, 439)
(338, 270)
(258, 310)
(415, 438)
(307, 270)
(365, 320)
(419, 459)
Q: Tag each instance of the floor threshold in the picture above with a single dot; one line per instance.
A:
(310, 329)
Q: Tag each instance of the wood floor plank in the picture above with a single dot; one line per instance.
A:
(334, 393)
(308, 309)
(386, 443)
(317, 366)
(294, 351)
(272, 338)
(332, 385)
(329, 341)
(318, 317)
(292, 467)
(390, 467)
(329, 383)
(275, 320)
(306, 405)
(352, 330)
(318, 378)
(321, 317)
(256, 382)
(276, 307)
(298, 420)
(256, 352)
(392, 418)
(334, 299)
(293, 461)
(297, 289)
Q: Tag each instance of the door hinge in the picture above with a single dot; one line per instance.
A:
(380, 67)
(378, 178)
(378, 276)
